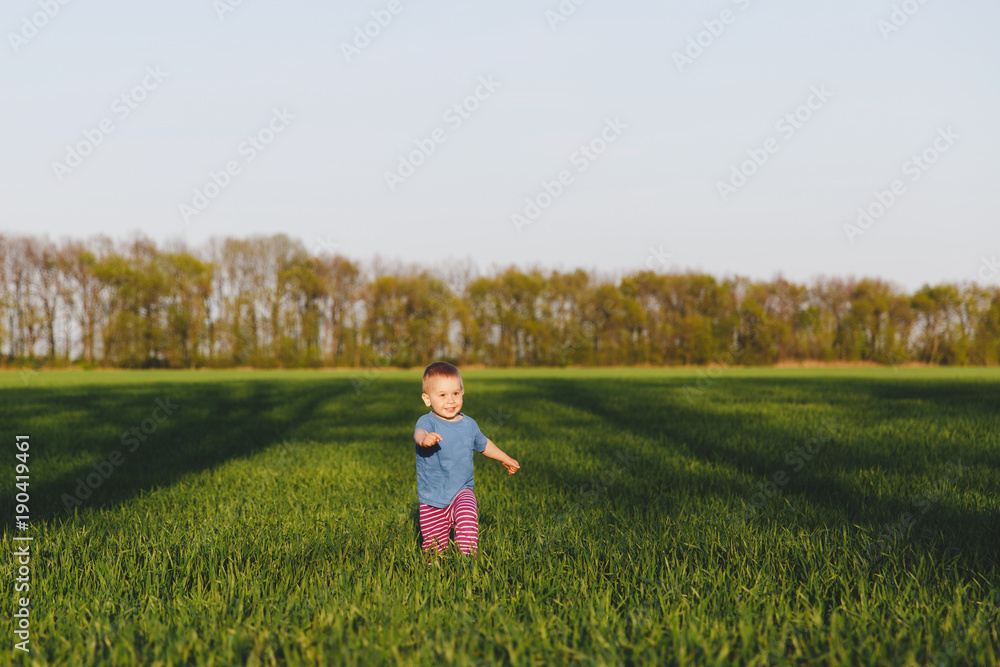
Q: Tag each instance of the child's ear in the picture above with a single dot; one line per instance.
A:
(427, 399)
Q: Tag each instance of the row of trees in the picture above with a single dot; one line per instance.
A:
(268, 302)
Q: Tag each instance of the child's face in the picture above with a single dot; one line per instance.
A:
(444, 396)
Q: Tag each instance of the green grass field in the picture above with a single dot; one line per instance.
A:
(761, 517)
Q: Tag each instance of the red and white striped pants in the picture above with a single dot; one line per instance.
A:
(462, 515)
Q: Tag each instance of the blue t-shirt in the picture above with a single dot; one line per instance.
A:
(446, 468)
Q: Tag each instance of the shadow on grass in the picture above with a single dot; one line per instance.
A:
(748, 425)
(161, 432)
(759, 446)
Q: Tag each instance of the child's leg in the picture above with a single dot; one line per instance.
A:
(466, 517)
(435, 524)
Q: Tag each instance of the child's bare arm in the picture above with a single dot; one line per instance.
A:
(494, 452)
(425, 439)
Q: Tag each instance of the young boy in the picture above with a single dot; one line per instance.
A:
(445, 441)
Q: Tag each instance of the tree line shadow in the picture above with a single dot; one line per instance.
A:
(661, 412)
(130, 438)
(219, 421)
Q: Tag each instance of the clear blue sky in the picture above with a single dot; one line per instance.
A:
(680, 133)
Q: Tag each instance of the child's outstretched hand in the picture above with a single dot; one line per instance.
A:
(431, 439)
(511, 465)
